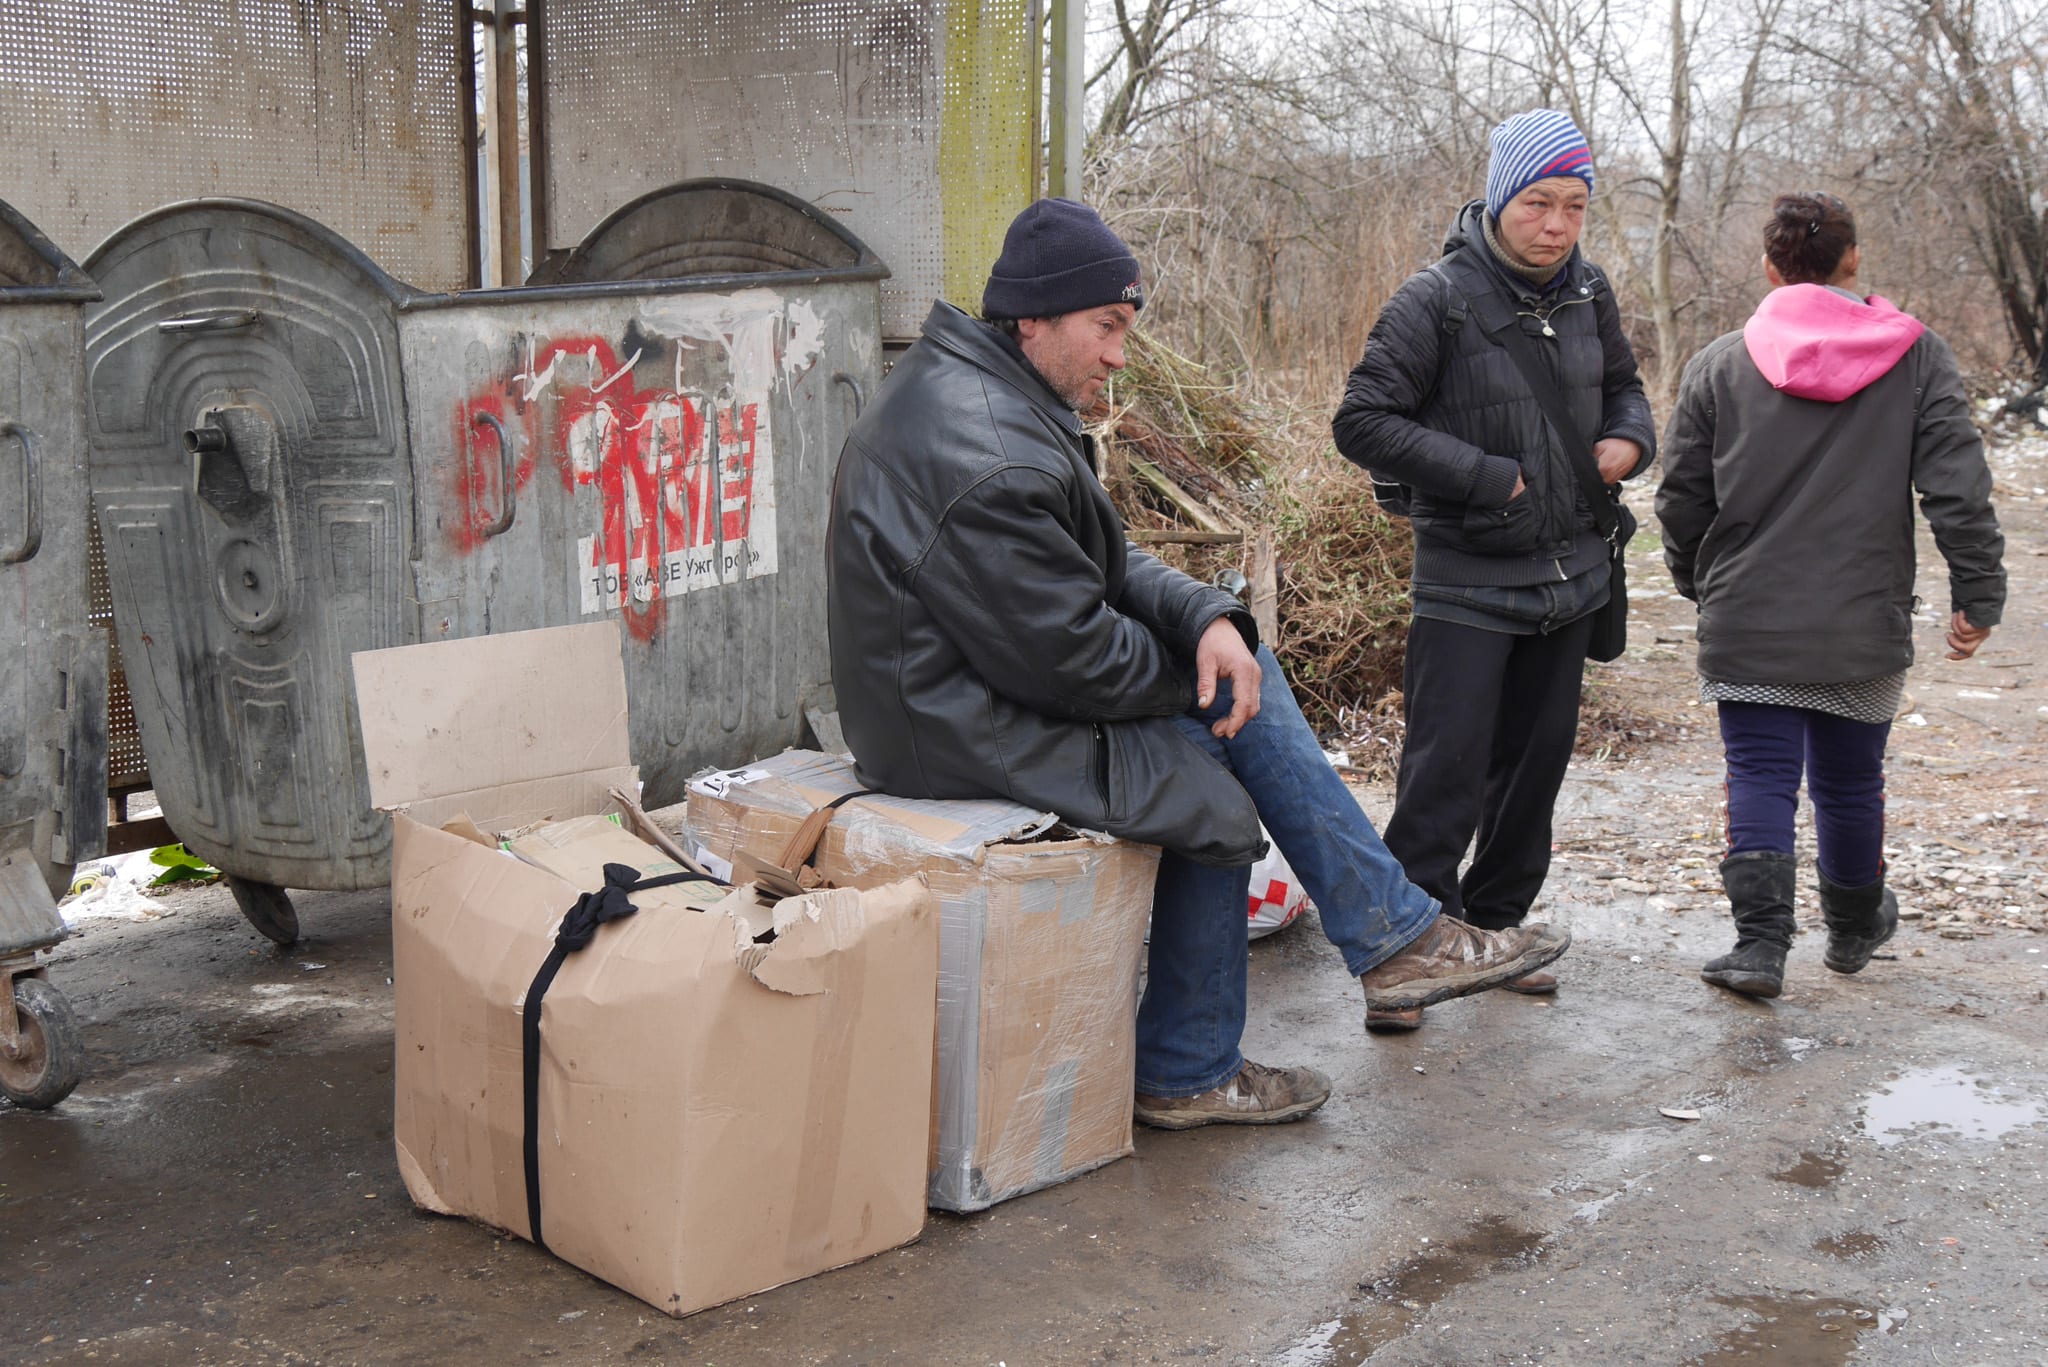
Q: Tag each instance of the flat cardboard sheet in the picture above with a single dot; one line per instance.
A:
(493, 713)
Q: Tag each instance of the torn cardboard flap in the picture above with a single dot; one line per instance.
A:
(496, 721)
(785, 944)
(810, 931)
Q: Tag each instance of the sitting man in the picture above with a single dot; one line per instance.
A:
(993, 635)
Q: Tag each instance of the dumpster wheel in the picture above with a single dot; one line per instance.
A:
(267, 908)
(44, 1066)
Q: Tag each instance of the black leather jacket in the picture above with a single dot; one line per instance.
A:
(1436, 403)
(993, 635)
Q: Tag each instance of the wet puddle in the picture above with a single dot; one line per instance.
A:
(1399, 1299)
(1855, 1243)
(1947, 1099)
(1813, 1170)
(1795, 1331)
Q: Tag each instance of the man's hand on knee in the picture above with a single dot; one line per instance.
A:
(1222, 654)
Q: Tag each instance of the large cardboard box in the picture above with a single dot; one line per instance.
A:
(728, 1096)
(1041, 929)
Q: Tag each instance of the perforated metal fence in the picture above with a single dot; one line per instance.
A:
(350, 111)
(127, 766)
(914, 121)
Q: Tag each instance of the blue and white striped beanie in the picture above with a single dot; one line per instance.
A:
(1530, 147)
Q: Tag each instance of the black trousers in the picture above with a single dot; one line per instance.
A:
(1492, 718)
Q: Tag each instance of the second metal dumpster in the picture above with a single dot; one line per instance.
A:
(297, 457)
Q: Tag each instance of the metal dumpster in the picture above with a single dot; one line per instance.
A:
(674, 405)
(296, 457)
(52, 663)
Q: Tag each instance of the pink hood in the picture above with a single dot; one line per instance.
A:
(1816, 344)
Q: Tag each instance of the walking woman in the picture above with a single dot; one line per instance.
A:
(1791, 463)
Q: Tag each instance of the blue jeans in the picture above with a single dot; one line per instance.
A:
(1192, 1016)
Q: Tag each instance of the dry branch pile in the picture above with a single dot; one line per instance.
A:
(1200, 474)
(1184, 455)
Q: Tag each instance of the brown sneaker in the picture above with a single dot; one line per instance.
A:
(1532, 984)
(1452, 959)
(1258, 1095)
(1393, 1022)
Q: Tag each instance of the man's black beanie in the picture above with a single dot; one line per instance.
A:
(1058, 257)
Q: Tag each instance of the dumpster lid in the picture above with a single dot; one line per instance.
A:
(715, 226)
(496, 724)
(214, 213)
(32, 270)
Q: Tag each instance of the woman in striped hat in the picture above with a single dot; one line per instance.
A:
(1510, 561)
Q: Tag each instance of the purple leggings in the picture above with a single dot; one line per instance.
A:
(1843, 761)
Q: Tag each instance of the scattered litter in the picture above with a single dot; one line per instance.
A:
(1277, 898)
(1987, 693)
(1678, 1113)
(1418, 1068)
(113, 889)
(1915, 719)
(571, 1315)
(308, 966)
(1706, 1158)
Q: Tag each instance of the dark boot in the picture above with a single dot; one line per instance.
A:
(1759, 886)
(1858, 921)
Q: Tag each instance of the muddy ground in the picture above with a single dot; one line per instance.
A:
(1865, 1182)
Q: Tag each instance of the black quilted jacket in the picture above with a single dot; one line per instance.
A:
(1437, 404)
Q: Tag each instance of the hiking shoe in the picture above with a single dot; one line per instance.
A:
(1258, 1095)
(1452, 959)
(1532, 984)
(1393, 1022)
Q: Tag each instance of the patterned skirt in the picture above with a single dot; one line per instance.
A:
(1866, 700)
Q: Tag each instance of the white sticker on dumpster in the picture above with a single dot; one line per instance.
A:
(691, 507)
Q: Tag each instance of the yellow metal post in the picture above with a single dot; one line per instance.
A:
(988, 137)
(1066, 115)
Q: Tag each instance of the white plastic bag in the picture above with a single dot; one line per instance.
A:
(1276, 898)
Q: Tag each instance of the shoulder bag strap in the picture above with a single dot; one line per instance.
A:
(1506, 329)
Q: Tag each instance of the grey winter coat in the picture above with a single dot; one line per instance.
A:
(1436, 403)
(993, 634)
(1787, 499)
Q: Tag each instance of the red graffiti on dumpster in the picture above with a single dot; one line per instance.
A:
(675, 473)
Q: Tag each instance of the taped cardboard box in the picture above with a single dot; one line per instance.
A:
(1041, 932)
(728, 1096)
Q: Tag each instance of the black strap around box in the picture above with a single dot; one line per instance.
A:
(578, 929)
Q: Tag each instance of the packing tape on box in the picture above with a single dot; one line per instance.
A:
(1060, 1080)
